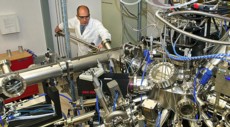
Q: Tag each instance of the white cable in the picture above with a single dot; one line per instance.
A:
(157, 3)
(134, 3)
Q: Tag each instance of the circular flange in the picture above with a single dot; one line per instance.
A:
(13, 85)
(163, 74)
(186, 108)
(226, 118)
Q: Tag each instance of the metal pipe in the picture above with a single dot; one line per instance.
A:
(212, 63)
(75, 40)
(81, 118)
(40, 74)
(66, 29)
(78, 119)
(102, 100)
(199, 13)
(100, 94)
(86, 102)
(207, 120)
(91, 60)
(107, 45)
(35, 75)
(164, 116)
(5, 66)
(139, 21)
(189, 34)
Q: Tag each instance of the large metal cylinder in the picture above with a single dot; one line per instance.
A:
(35, 75)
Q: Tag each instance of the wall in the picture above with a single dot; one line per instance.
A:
(152, 21)
(120, 23)
(94, 6)
(31, 26)
(111, 18)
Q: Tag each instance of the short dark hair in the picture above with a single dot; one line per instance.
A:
(82, 6)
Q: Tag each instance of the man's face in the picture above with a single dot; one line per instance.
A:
(83, 16)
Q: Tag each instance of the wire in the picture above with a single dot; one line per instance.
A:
(1, 121)
(185, 58)
(69, 99)
(115, 100)
(158, 123)
(134, 3)
(97, 108)
(64, 116)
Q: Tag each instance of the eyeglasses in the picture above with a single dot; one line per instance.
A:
(84, 17)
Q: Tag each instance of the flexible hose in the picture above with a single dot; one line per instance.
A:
(189, 34)
(198, 13)
(168, 6)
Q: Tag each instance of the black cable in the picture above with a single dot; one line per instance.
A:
(214, 21)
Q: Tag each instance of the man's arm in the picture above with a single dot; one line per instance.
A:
(71, 24)
(105, 36)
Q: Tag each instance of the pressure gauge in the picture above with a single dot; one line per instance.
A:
(13, 85)
(162, 74)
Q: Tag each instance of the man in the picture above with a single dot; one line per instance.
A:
(87, 29)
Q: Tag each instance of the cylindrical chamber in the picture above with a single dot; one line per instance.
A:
(20, 49)
(8, 52)
(5, 66)
(34, 75)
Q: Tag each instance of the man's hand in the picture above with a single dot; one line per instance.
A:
(57, 29)
(100, 46)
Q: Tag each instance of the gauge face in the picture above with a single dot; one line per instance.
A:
(161, 73)
(13, 86)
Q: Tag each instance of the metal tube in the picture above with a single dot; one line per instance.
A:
(189, 34)
(34, 75)
(81, 118)
(199, 13)
(102, 100)
(107, 45)
(66, 29)
(164, 116)
(78, 119)
(139, 21)
(212, 63)
(206, 120)
(91, 60)
(5, 66)
(75, 40)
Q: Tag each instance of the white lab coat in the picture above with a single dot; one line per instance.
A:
(94, 32)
